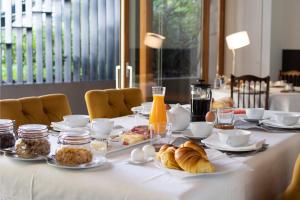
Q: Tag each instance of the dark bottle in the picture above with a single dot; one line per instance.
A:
(200, 100)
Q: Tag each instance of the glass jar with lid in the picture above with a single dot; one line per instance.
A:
(7, 138)
(74, 148)
(32, 141)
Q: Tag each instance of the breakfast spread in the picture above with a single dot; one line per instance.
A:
(189, 157)
(73, 156)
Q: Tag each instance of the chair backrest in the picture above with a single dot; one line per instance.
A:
(292, 192)
(112, 102)
(292, 76)
(42, 110)
(251, 90)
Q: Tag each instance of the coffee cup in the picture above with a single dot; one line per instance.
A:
(201, 129)
(102, 127)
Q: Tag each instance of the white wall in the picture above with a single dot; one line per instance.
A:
(272, 25)
(244, 15)
(285, 31)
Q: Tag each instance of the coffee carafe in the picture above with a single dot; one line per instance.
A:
(201, 97)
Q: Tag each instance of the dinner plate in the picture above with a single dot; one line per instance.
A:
(275, 124)
(14, 156)
(140, 162)
(214, 143)
(222, 163)
(96, 162)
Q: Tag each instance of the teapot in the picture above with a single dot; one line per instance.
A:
(179, 117)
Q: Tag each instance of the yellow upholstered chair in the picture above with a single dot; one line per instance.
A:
(293, 190)
(112, 102)
(42, 110)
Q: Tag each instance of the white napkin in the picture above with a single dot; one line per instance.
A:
(214, 142)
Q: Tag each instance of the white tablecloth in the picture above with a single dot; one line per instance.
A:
(279, 101)
(119, 180)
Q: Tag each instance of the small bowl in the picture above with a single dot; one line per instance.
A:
(235, 138)
(76, 120)
(287, 119)
(255, 113)
(102, 127)
(201, 129)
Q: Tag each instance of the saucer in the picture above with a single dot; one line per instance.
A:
(140, 162)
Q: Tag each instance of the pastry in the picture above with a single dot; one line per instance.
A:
(162, 149)
(168, 158)
(192, 161)
(196, 147)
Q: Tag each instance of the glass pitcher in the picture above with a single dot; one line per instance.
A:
(158, 116)
(201, 97)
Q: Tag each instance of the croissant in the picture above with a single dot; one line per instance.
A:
(196, 147)
(168, 159)
(191, 161)
(162, 149)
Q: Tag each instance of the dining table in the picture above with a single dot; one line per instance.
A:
(279, 99)
(265, 175)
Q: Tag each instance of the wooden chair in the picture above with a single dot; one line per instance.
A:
(292, 76)
(253, 90)
(112, 102)
(35, 110)
(293, 190)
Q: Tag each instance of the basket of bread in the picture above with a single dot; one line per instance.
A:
(188, 157)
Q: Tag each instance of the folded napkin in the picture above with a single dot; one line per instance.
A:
(214, 142)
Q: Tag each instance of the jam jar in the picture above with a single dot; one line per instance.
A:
(7, 138)
(32, 141)
(74, 148)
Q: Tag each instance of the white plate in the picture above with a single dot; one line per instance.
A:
(214, 143)
(140, 162)
(189, 134)
(97, 162)
(275, 124)
(222, 163)
(118, 146)
(252, 120)
(16, 157)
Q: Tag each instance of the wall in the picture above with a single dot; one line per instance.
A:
(74, 91)
(285, 31)
(244, 15)
(272, 25)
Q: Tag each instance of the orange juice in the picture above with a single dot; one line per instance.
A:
(158, 116)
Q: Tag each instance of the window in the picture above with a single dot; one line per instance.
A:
(58, 40)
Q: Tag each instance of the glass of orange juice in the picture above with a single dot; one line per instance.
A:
(158, 114)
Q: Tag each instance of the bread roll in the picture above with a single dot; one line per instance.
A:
(162, 149)
(168, 159)
(196, 147)
(191, 161)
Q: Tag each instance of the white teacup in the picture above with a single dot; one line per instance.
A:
(255, 113)
(76, 120)
(287, 119)
(201, 129)
(233, 137)
(102, 127)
